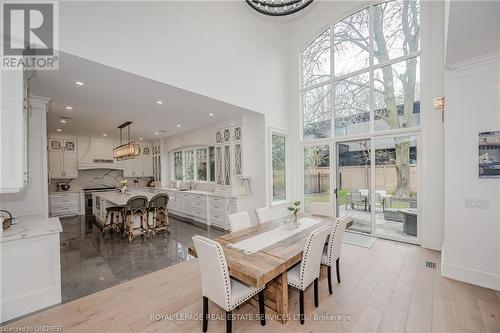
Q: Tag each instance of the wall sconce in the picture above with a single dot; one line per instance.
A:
(439, 105)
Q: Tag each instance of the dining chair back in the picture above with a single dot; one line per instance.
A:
(311, 256)
(321, 209)
(264, 214)
(332, 252)
(307, 271)
(238, 221)
(215, 281)
(218, 286)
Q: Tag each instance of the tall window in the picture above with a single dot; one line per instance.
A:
(373, 78)
(373, 82)
(189, 164)
(178, 167)
(201, 163)
(279, 167)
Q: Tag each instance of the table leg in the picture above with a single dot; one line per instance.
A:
(276, 297)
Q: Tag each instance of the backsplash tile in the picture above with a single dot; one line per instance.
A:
(97, 178)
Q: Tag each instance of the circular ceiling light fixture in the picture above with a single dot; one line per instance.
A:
(278, 7)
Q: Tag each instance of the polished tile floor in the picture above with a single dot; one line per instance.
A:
(90, 263)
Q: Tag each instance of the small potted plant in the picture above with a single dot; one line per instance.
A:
(295, 210)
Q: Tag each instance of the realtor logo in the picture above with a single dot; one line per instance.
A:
(29, 35)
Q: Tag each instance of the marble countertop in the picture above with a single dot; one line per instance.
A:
(119, 199)
(209, 193)
(31, 226)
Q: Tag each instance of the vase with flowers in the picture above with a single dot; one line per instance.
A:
(295, 211)
(123, 187)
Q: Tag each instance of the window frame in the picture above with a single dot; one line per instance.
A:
(286, 135)
(183, 151)
(372, 67)
(422, 54)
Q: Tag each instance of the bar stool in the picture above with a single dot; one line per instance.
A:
(112, 213)
(159, 214)
(136, 207)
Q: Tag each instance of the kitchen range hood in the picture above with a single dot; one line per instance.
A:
(96, 153)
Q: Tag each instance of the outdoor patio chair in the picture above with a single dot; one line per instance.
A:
(355, 198)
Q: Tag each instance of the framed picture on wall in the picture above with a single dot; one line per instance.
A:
(489, 154)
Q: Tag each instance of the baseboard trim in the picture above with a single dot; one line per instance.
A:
(470, 275)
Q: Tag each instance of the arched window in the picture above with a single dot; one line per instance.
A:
(362, 74)
(360, 101)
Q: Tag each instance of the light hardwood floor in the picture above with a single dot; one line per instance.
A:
(386, 288)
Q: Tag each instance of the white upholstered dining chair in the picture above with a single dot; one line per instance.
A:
(238, 221)
(331, 253)
(307, 271)
(321, 209)
(264, 214)
(218, 286)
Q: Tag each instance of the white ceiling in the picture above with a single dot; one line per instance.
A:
(110, 97)
(473, 30)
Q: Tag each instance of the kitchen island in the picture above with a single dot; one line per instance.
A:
(103, 200)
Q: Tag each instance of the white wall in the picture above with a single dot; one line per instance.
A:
(223, 50)
(471, 249)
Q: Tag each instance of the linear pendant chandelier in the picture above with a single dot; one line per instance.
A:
(278, 7)
(128, 150)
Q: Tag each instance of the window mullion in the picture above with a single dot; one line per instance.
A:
(332, 73)
(371, 74)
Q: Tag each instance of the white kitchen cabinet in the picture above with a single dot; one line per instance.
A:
(31, 268)
(13, 131)
(32, 199)
(64, 203)
(63, 158)
(140, 166)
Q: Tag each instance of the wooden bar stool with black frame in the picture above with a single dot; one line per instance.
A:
(158, 210)
(136, 207)
(114, 214)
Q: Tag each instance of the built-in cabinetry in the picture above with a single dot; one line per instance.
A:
(65, 203)
(31, 267)
(141, 166)
(32, 198)
(228, 153)
(63, 158)
(13, 131)
(203, 207)
(157, 163)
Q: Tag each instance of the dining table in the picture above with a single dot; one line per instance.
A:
(268, 266)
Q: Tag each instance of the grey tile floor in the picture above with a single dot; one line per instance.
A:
(90, 263)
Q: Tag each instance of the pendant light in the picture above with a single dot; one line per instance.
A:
(128, 150)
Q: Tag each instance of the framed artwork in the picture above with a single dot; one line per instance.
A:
(489, 154)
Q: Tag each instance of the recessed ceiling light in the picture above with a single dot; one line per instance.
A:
(69, 108)
(159, 102)
(59, 130)
(79, 83)
(211, 114)
(178, 125)
(63, 121)
(140, 139)
(157, 133)
(104, 134)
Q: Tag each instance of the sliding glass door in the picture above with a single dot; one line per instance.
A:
(396, 188)
(316, 175)
(354, 183)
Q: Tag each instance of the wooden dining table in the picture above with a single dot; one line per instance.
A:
(267, 266)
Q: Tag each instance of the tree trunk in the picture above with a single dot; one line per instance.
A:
(402, 168)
